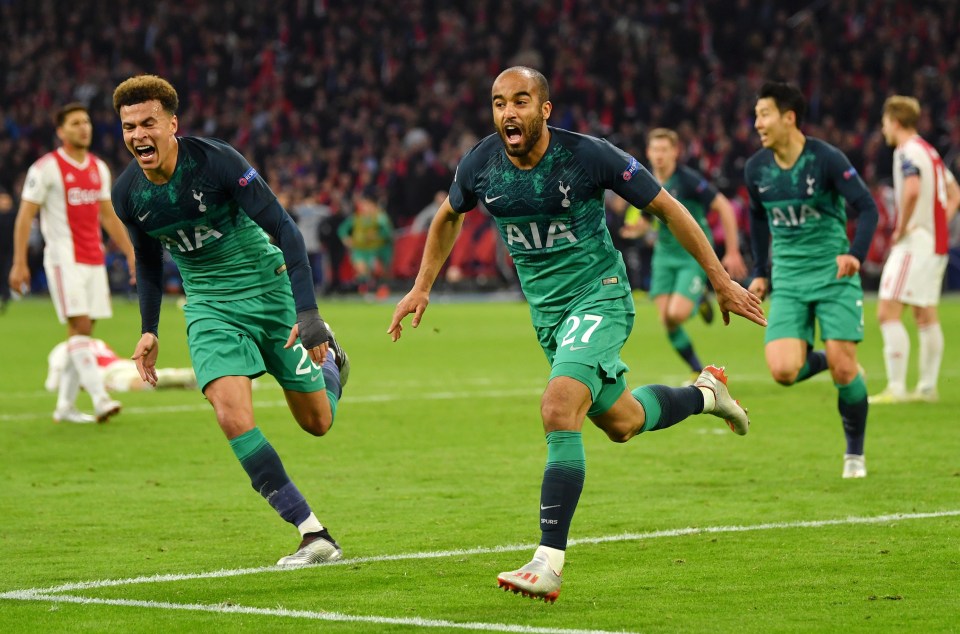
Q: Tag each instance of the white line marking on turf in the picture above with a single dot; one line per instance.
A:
(306, 614)
(53, 594)
(482, 550)
(358, 400)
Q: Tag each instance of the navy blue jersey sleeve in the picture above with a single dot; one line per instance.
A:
(759, 229)
(277, 222)
(238, 178)
(149, 254)
(463, 197)
(846, 181)
(256, 198)
(698, 187)
(614, 169)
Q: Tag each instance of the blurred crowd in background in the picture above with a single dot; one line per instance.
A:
(339, 102)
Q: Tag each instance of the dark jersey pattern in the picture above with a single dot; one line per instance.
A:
(805, 210)
(552, 217)
(201, 216)
(693, 190)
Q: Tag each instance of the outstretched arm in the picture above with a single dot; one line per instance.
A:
(731, 297)
(443, 233)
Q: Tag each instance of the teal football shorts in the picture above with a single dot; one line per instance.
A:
(837, 306)
(245, 337)
(584, 344)
(688, 280)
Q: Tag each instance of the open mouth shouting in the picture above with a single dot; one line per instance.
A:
(145, 152)
(513, 134)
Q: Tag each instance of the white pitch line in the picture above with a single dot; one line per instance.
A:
(359, 400)
(483, 550)
(307, 614)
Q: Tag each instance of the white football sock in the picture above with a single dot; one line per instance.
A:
(310, 525)
(709, 399)
(555, 557)
(85, 365)
(896, 354)
(69, 386)
(931, 354)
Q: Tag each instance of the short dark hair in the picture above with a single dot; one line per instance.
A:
(144, 88)
(543, 87)
(786, 97)
(64, 111)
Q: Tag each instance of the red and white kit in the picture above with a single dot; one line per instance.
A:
(69, 196)
(913, 273)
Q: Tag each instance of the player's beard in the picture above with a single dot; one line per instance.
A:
(531, 134)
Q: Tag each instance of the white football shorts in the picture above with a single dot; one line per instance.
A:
(913, 273)
(79, 289)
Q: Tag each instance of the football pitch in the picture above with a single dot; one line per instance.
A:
(430, 481)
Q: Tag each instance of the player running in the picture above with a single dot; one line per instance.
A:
(797, 188)
(201, 200)
(544, 187)
(677, 283)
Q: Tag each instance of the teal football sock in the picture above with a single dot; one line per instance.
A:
(853, 406)
(562, 483)
(684, 347)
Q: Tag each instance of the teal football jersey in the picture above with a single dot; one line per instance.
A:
(201, 216)
(805, 209)
(552, 216)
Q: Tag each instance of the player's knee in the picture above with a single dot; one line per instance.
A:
(555, 416)
(843, 375)
(784, 375)
(315, 423)
(675, 318)
(620, 434)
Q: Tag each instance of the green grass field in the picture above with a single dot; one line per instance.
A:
(430, 480)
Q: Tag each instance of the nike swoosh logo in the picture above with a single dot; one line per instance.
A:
(578, 347)
(763, 189)
(487, 199)
(316, 376)
(544, 508)
(144, 216)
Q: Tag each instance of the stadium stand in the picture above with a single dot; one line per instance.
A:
(328, 98)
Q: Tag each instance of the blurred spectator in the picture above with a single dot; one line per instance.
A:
(308, 214)
(333, 97)
(368, 236)
(329, 236)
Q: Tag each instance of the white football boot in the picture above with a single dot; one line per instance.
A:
(725, 406)
(536, 580)
(314, 548)
(72, 415)
(854, 466)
